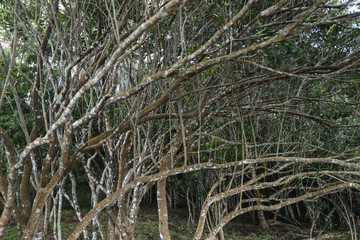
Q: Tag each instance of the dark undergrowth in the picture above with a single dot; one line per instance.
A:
(241, 228)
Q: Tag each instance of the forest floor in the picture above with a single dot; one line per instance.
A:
(238, 229)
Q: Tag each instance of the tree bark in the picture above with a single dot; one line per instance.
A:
(163, 210)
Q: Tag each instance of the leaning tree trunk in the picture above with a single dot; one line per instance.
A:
(260, 213)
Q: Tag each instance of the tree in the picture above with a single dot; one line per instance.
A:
(251, 97)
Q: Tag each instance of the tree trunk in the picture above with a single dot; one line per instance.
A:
(163, 211)
(260, 213)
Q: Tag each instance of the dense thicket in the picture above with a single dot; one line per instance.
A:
(225, 107)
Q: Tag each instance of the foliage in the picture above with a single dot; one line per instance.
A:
(225, 107)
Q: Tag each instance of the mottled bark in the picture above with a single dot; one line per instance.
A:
(144, 90)
(25, 190)
(163, 209)
(10, 193)
(260, 213)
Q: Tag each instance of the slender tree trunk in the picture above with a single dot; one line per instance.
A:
(75, 201)
(221, 235)
(59, 233)
(260, 213)
(163, 211)
(10, 202)
(122, 207)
